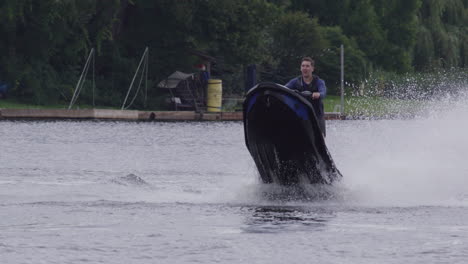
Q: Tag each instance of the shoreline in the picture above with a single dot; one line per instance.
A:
(126, 115)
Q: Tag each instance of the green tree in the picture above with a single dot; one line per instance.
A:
(47, 43)
(295, 35)
(329, 65)
(442, 34)
(399, 18)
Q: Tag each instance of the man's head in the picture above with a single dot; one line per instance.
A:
(307, 66)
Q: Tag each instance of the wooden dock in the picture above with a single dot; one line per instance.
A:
(125, 115)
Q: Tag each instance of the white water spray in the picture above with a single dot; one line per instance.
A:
(421, 161)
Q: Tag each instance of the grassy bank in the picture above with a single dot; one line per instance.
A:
(373, 106)
(354, 106)
(12, 103)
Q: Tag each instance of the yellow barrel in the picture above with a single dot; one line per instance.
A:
(214, 94)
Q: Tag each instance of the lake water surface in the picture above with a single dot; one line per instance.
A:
(121, 192)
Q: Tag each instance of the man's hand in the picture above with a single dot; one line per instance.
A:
(315, 95)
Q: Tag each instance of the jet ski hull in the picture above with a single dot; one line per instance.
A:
(284, 138)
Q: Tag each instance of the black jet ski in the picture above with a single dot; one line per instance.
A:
(284, 138)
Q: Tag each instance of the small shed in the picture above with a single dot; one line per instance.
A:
(184, 91)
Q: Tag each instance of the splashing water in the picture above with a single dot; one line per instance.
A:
(420, 161)
(399, 162)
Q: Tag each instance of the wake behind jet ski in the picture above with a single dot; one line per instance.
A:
(284, 137)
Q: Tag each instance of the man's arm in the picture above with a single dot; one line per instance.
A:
(291, 84)
(322, 88)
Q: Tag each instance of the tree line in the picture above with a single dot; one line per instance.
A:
(45, 43)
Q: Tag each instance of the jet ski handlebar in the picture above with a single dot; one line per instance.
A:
(306, 93)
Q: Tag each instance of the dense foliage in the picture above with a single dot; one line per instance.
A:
(45, 43)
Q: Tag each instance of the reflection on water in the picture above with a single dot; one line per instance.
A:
(272, 219)
(302, 207)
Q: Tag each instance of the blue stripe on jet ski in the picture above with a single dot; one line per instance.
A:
(252, 101)
(298, 107)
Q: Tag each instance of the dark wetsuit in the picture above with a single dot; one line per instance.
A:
(316, 86)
